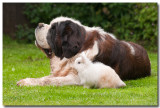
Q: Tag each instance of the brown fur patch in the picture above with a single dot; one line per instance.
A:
(65, 72)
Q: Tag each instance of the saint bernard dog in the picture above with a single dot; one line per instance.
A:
(65, 38)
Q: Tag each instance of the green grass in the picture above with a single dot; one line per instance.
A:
(25, 60)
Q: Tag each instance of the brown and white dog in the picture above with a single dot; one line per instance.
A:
(65, 38)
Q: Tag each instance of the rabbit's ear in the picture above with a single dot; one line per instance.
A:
(83, 54)
(84, 57)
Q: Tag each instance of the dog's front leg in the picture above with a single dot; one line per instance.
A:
(50, 80)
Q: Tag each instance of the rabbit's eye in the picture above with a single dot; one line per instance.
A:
(79, 62)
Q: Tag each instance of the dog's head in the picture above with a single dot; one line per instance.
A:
(41, 34)
(65, 37)
(41, 41)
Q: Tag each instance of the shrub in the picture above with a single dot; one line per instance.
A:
(128, 21)
(25, 34)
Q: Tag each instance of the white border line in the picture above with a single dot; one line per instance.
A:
(1, 58)
(55, 1)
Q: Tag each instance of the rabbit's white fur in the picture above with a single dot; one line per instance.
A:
(96, 74)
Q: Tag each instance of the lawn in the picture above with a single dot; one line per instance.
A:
(25, 60)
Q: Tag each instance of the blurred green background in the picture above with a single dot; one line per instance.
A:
(135, 22)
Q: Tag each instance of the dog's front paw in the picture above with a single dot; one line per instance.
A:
(25, 82)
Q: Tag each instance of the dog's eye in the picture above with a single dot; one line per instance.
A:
(75, 47)
(79, 62)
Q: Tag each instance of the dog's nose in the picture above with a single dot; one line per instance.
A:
(40, 25)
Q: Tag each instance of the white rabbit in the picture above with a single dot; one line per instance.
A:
(96, 74)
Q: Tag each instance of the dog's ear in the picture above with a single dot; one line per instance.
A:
(72, 36)
(66, 38)
(50, 37)
(54, 40)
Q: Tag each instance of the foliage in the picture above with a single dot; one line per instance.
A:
(25, 34)
(25, 60)
(128, 21)
(147, 19)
